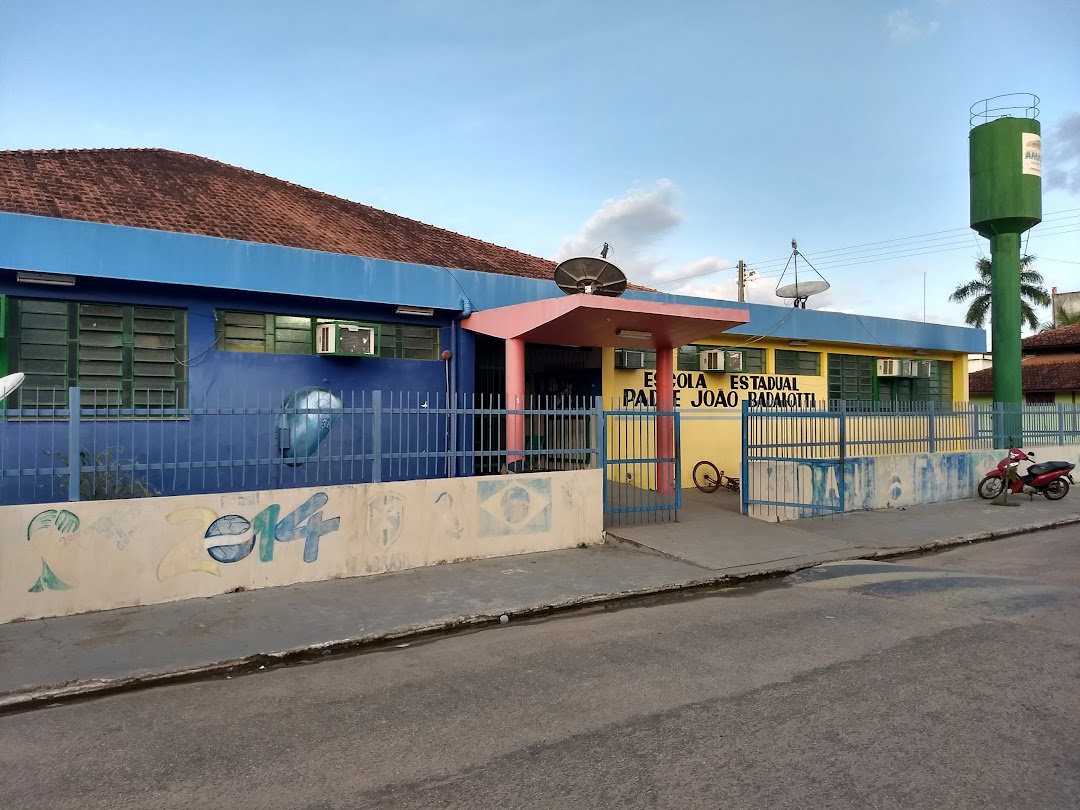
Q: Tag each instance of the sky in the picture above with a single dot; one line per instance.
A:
(688, 134)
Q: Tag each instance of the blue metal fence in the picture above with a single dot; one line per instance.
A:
(642, 481)
(805, 449)
(305, 438)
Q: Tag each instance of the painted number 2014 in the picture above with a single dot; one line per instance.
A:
(306, 523)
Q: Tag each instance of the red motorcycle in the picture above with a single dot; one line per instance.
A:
(1051, 478)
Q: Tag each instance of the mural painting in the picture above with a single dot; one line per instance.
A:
(96, 555)
(310, 414)
(521, 506)
(449, 525)
(52, 534)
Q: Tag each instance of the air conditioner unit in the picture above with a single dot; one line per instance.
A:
(346, 339)
(733, 361)
(629, 358)
(712, 360)
(888, 368)
(909, 368)
(925, 368)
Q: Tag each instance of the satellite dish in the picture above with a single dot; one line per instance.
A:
(800, 290)
(590, 275)
(9, 383)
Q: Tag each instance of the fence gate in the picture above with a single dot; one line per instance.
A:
(642, 476)
(793, 463)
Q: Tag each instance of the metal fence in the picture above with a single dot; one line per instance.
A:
(796, 461)
(852, 429)
(307, 437)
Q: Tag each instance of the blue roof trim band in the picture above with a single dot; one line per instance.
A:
(91, 249)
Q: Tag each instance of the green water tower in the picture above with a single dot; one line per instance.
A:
(1006, 200)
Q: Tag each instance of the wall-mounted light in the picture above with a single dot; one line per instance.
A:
(798, 343)
(424, 312)
(630, 334)
(54, 279)
(921, 351)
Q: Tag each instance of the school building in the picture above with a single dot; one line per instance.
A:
(155, 281)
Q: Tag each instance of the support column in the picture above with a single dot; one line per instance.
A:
(665, 425)
(515, 401)
(1005, 331)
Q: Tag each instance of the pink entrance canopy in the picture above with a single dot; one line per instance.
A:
(593, 320)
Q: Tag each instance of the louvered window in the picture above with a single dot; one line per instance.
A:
(120, 356)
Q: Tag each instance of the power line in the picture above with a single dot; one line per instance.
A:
(908, 249)
(894, 256)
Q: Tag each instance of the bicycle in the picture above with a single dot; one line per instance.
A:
(709, 479)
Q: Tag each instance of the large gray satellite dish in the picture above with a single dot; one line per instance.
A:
(801, 289)
(590, 275)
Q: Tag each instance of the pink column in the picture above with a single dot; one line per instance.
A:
(665, 425)
(515, 399)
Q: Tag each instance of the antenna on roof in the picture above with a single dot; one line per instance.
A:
(590, 275)
(800, 290)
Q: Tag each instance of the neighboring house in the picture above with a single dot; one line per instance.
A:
(1067, 303)
(158, 281)
(1050, 369)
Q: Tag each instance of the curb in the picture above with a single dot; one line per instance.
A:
(34, 697)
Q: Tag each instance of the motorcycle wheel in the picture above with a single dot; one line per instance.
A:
(990, 488)
(706, 476)
(1056, 489)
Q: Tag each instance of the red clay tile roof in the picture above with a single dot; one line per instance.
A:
(172, 191)
(1063, 336)
(1046, 372)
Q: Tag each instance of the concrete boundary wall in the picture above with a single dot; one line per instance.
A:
(65, 558)
(878, 482)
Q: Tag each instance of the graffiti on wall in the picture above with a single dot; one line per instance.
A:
(52, 534)
(518, 506)
(310, 414)
(449, 524)
(812, 487)
(228, 539)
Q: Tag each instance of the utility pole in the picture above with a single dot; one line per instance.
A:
(742, 281)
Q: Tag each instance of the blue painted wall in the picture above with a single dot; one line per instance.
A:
(258, 383)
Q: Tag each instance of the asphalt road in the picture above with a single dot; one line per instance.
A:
(949, 681)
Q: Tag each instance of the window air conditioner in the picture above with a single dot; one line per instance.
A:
(346, 339)
(888, 368)
(629, 359)
(711, 360)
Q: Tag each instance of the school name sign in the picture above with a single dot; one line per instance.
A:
(692, 390)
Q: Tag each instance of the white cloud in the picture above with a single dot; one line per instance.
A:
(904, 29)
(631, 224)
(1062, 148)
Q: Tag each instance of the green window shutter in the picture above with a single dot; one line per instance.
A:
(39, 344)
(687, 358)
(754, 360)
(291, 334)
(851, 377)
(158, 348)
(419, 343)
(945, 381)
(99, 354)
(798, 363)
(243, 332)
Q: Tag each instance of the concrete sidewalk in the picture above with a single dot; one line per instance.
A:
(48, 659)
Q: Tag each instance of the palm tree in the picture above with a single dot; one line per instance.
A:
(1064, 318)
(1032, 292)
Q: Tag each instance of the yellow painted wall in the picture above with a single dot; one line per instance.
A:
(710, 403)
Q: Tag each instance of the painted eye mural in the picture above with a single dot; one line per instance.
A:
(309, 414)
